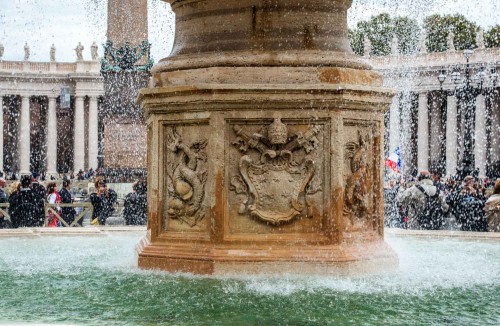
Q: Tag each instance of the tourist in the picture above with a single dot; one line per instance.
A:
(492, 209)
(39, 190)
(3, 200)
(468, 206)
(67, 213)
(488, 186)
(27, 207)
(436, 180)
(424, 204)
(36, 186)
(80, 176)
(102, 200)
(135, 206)
(391, 208)
(53, 198)
(14, 189)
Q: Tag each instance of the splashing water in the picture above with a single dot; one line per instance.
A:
(94, 280)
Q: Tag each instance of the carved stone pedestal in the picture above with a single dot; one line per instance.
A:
(265, 143)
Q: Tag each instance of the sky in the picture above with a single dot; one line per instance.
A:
(64, 23)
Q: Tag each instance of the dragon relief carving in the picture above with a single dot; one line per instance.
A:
(359, 182)
(187, 177)
(276, 186)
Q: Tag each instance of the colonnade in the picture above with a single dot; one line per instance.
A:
(24, 139)
(451, 135)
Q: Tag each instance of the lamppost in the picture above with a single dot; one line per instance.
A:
(466, 93)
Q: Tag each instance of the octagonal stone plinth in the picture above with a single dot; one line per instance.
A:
(265, 143)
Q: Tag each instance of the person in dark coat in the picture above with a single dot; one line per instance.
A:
(102, 201)
(67, 213)
(3, 200)
(37, 187)
(27, 208)
(39, 190)
(135, 206)
(468, 206)
(15, 188)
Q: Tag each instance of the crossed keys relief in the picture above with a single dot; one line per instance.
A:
(276, 186)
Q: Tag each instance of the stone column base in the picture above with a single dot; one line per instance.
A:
(206, 258)
(266, 178)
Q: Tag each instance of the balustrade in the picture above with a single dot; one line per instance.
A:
(86, 208)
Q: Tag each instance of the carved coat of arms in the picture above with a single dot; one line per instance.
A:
(276, 185)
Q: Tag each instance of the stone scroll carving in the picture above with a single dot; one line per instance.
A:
(187, 175)
(358, 184)
(276, 183)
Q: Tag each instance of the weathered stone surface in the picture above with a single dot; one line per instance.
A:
(124, 139)
(126, 22)
(277, 128)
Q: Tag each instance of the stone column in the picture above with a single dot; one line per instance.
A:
(394, 125)
(1, 134)
(52, 137)
(423, 132)
(480, 143)
(24, 136)
(79, 135)
(495, 131)
(451, 136)
(93, 132)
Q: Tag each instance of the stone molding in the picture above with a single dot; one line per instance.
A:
(302, 58)
(47, 68)
(228, 97)
(433, 61)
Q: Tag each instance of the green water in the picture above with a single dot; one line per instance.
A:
(94, 281)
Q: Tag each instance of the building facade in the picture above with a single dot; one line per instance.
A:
(38, 134)
(102, 126)
(427, 122)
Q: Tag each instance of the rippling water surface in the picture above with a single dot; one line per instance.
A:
(95, 281)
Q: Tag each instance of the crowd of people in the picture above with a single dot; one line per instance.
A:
(429, 203)
(27, 199)
(80, 176)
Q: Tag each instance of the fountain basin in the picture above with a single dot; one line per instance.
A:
(94, 279)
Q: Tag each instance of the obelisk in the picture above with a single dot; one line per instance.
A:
(127, 22)
(126, 68)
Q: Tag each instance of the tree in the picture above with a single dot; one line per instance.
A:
(356, 37)
(438, 27)
(492, 37)
(408, 33)
(380, 30)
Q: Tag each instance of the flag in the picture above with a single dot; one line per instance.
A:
(394, 160)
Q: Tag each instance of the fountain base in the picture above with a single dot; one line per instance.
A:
(252, 176)
(348, 259)
(265, 143)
